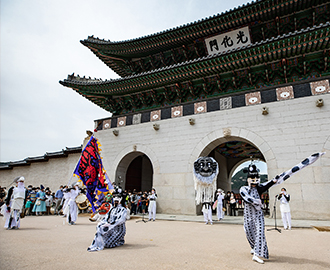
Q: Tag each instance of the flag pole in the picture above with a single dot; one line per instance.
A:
(79, 159)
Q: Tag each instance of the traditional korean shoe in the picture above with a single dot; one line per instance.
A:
(257, 259)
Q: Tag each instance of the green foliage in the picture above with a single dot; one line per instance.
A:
(239, 180)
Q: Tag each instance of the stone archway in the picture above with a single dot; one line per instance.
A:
(135, 150)
(135, 171)
(124, 159)
(220, 137)
(229, 155)
(215, 138)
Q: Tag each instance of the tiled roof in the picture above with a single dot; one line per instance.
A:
(116, 54)
(298, 42)
(27, 161)
(254, 11)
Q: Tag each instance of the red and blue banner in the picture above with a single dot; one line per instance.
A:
(91, 172)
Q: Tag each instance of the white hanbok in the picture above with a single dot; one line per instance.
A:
(220, 214)
(65, 203)
(72, 205)
(152, 206)
(207, 213)
(18, 195)
(285, 210)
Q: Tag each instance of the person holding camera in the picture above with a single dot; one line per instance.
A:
(284, 199)
(152, 204)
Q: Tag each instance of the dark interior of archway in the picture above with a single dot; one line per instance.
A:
(139, 174)
(238, 149)
(134, 175)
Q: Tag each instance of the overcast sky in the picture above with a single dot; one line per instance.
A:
(40, 46)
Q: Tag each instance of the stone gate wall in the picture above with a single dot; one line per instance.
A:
(293, 129)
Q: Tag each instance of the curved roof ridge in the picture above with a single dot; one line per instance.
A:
(72, 78)
(227, 12)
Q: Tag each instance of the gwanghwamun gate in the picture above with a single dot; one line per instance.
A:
(249, 83)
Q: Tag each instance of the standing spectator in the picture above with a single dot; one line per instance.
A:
(139, 204)
(220, 197)
(152, 204)
(232, 202)
(40, 204)
(33, 195)
(128, 200)
(227, 199)
(29, 189)
(49, 202)
(28, 206)
(144, 203)
(284, 198)
(133, 202)
(58, 199)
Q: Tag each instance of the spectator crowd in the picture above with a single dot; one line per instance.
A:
(52, 202)
(136, 201)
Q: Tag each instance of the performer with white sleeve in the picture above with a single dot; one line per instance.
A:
(14, 203)
(254, 224)
(72, 205)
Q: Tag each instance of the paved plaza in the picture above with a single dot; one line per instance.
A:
(47, 243)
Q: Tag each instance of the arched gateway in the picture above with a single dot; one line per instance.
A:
(135, 172)
(234, 147)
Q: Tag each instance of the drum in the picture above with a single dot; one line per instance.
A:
(82, 201)
(52, 210)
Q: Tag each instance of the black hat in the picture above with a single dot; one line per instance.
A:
(252, 171)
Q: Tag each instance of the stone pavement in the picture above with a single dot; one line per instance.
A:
(47, 242)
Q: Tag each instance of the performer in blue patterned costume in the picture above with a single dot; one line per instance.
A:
(111, 230)
(254, 224)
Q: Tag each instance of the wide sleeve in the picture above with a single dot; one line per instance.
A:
(113, 220)
(307, 161)
(10, 193)
(26, 196)
(265, 186)
(244, 191)
(76, 192)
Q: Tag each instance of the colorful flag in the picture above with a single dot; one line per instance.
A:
(91, 172)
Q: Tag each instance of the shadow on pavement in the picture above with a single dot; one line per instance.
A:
(298, 261)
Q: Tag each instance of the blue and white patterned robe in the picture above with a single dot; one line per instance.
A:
(254, 224)
(111, 230)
